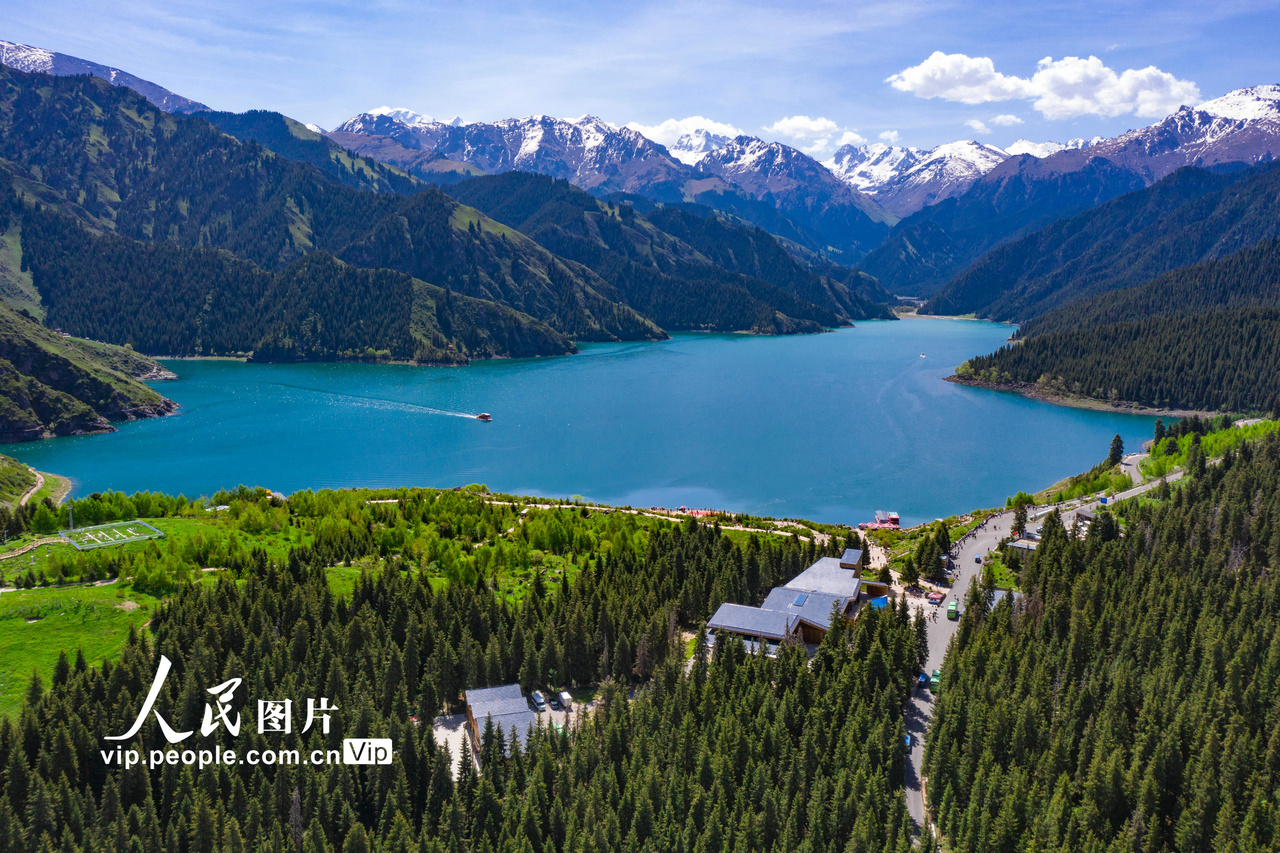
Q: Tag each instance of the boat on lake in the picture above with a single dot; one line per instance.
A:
(484, 416)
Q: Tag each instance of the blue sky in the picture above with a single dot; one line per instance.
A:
(813, 73)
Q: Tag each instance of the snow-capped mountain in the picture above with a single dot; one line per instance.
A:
(30, 59)
(903, 180)
(803, 190)
(587, 152)
(870, 167)
(1242, 126)
(1044, 149)
(692, 147)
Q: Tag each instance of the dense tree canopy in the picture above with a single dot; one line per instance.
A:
(1132, 700)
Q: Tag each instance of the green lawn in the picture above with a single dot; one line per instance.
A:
(95, 619)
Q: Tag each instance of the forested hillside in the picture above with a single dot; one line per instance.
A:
(1189, 217)
(1132, 702)
(681, 270)
(295, 141)
(1201, 337)
(53, 385)
(734, 752)
(927, 249)
(172, 300)
(103, 153)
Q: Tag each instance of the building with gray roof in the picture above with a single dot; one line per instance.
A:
(506, 706)
(829, 577)
(753, 622)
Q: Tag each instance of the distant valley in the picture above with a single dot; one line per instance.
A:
(179, 230)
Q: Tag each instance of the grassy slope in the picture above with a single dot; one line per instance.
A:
(89, 618)
(15, 479)
(49, 385)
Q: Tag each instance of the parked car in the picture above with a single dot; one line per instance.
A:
(953, 610)
(908, 741)
(977, 558)
(539, 701)
(554, 701)
(935, 680)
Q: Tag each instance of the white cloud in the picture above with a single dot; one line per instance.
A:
(977, 126)
(669, 132)
(817, 137)
(890, 136)
(1006, 120)
(1059, 89)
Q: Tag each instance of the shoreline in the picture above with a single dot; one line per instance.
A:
(1123, 407)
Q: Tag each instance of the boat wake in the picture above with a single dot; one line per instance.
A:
(382, 403)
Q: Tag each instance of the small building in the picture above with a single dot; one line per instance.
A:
(1023, 544)
(754, 623)
(506, 706)
(851, 558)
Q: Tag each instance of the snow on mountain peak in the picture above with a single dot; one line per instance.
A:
(1256, 103)
(402, 115)
(692, 147)
(1044, 149)
(24, 57)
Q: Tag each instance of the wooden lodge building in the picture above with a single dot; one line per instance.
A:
(802, 609)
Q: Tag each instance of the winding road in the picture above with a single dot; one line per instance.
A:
(978, 544)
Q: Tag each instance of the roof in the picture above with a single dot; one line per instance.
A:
(811, 607)
(753, 622)
(1000, 594)
(850, 558)
(507, 707)
(826, 576)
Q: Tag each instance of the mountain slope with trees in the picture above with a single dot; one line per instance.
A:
(174, 300)
(1131, 701)
(682, 270)
(1020, 196)
(1200, 337)
(295, 141)
(1191, 216)
(106, 155)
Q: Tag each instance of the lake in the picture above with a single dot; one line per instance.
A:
(830, 427)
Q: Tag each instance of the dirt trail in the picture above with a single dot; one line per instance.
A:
(37, 486)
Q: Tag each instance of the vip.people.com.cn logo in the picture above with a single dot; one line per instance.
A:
(275, 717)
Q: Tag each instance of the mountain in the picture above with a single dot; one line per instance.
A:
(692, 147)
(1025, 193)
(1190, 216)
(904, 180)
(1044, 149)
(146, 175)
(587, 152)
(803, 190)
(681, 269)
(1200, 337)
(163, 298)
(51, 384)
(295, 141)
(24, 57)
(776, 187)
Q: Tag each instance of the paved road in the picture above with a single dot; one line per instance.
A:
(983, 541)
(1129, 465)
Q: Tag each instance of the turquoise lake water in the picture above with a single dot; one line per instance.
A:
(829, 427)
